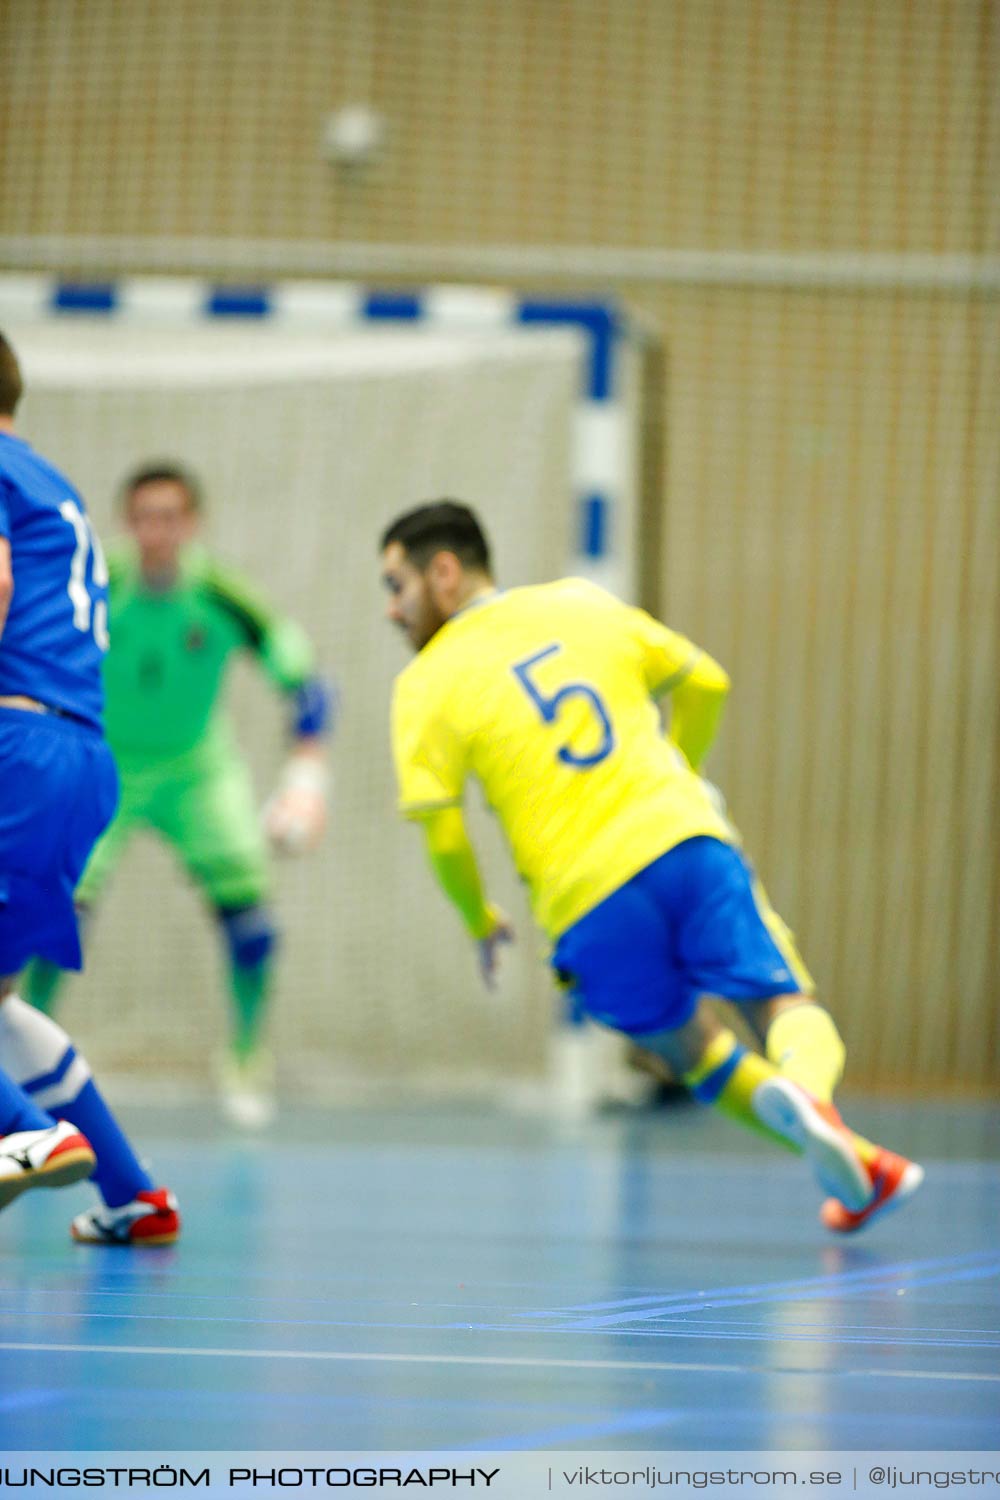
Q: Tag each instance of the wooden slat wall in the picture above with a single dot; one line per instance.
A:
(705, 124)
(832, 537)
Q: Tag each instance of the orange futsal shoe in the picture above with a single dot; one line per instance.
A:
(820, 1134)
(894, 1180)
(150, 1219)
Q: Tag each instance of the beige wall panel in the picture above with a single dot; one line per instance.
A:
(751, 124)
(832, 512)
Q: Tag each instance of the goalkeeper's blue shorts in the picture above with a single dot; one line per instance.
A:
(692, 923)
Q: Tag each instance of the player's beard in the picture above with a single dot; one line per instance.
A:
(427, 621)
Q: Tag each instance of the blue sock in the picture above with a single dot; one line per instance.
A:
(39, 1054)
(17, 1111)
(119, 1174)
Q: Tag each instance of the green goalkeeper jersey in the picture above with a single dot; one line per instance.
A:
(169, 651)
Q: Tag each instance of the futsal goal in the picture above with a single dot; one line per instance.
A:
(308, 442)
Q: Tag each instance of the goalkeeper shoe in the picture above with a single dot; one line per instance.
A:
(247, 1089)
(53, 1157)
(820, 1134)
(150, 1219)
(893, 1179)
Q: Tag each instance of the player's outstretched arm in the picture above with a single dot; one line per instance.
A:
(453, 861)
(676, 669)
(696, 706)
(296, 813)
(295, 816)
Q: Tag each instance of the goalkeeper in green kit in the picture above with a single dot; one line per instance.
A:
(176, 618)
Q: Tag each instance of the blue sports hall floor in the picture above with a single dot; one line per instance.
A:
(456, 1278)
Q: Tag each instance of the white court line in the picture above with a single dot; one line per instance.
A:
(481, 1359)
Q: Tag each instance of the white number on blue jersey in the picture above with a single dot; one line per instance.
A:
(87, 613)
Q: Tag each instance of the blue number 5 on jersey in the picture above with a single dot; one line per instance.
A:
(549, 706)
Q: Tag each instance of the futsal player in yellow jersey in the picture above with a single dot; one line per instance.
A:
(547, 695)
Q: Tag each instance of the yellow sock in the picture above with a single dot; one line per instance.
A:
(726, 1076)
(804, 1044)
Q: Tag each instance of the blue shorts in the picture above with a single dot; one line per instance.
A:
(694, 922)
(58, 791)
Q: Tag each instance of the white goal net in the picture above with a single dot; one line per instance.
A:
(307, 446)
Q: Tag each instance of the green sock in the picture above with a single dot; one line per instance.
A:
(41, 985)
(805, 1045)
(250, 987)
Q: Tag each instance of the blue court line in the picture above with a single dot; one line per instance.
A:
(890, 1272)
(182, 1306)
(824, 1326)
(683, 1327)
(810, 1294)
(134, 1283)
(765, 1335)
(970, 1257)
(760, 1334)
(13, 1307)
(953, 1278)
(854, 1283)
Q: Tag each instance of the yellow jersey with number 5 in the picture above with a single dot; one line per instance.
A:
(546, 695)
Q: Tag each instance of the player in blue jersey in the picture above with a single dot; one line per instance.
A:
(58, 790)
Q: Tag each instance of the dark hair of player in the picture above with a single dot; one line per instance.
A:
(440, 526)
(11, 384)
(163, 474)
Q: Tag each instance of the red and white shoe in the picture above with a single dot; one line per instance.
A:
(893, 1180)
(150, 1219)
(822, 1137)
(53, 1157)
